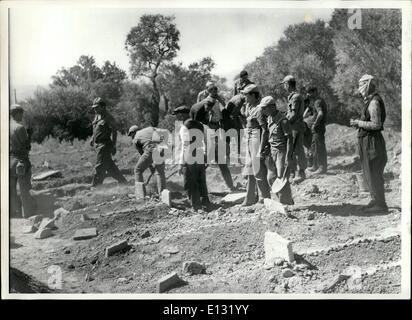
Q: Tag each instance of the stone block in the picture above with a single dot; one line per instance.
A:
(168, 282)
(277, 247)
(140, 190)
(83, 234)
(119, 246)
(165, 197)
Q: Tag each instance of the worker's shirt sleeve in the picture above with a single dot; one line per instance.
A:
(184, 136)
(376, 120)
(262, 119)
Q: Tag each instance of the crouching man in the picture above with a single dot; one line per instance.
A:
(146, 141)
(281, 147)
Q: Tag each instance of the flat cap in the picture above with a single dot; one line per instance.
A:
(16, 107)
(288, 78)
(250, 88)
(98, 102)
(132, 130)
(366, 77)
(243, 73)
(210, 84)
(181, 109)
(267, 101)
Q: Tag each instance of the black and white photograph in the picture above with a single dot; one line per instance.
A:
(205, 149)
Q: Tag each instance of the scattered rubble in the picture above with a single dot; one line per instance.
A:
(287, 273)
(193, 267)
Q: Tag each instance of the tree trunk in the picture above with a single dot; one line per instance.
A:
(155, 102)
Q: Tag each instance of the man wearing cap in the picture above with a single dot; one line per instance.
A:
(192, 158)
(257, 147)
(318, 129)
(146, 141)
(201, 112)
(281, 141)
(241, 83)
(295, 116)
(104, 140)
(19, 166)
(372, 148)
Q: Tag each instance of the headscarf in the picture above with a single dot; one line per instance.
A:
(367, 85)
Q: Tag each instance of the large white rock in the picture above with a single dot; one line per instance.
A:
(43, 233)
(277, 247)
(47, 174)
(165, 197)
(274, 206)
(47, 223)
(234, 197)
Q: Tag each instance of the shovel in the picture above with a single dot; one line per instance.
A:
(280, 183)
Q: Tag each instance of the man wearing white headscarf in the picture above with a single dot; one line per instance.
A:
(372, 148)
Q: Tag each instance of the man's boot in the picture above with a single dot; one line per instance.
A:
(301, 175)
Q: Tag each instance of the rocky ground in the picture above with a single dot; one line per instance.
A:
(337, 248)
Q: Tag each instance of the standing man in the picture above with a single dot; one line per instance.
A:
(318, 129)
(104, 140)
(372, 148)
(192, 159)
(146, 141)
(234, 119)
(281, 145)
(203, 112)
(241, 83)
(295, 116)
(257, 143)
(20, 166)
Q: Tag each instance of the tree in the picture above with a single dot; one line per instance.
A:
(63, 111)
(150, 44)
(181, 84)
(306, 51)
(375, 49)
(105, 82)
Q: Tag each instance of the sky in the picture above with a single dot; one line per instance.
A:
(43, 40)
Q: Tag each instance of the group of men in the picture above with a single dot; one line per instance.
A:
(275, 143)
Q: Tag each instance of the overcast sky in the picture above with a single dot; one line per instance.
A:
(46, 39)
